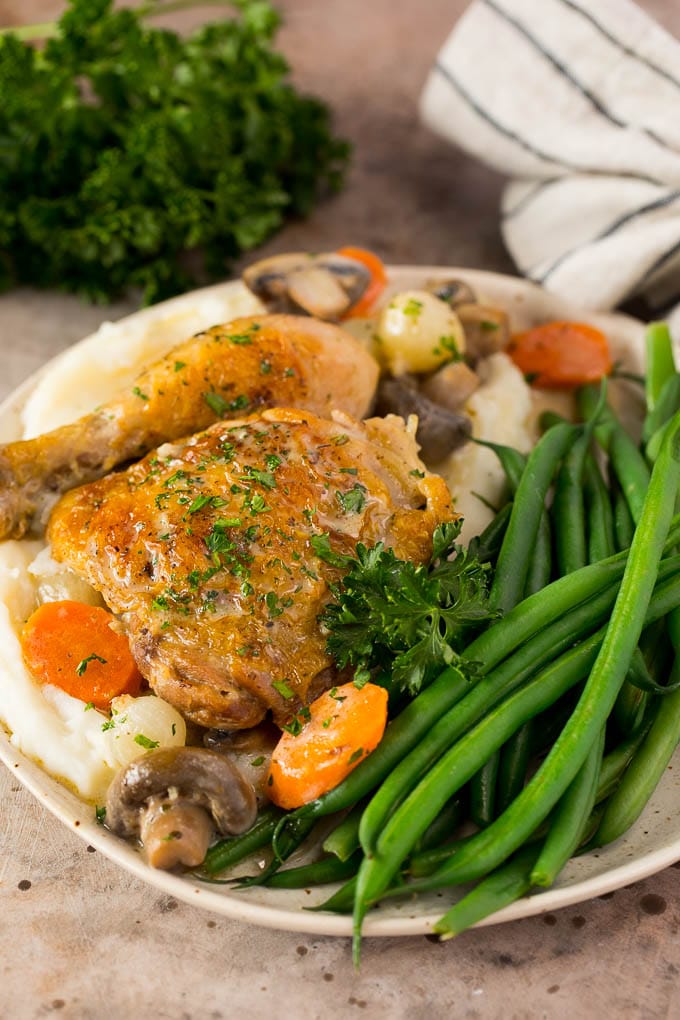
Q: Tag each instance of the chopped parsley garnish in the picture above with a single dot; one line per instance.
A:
(100, 814)
(359, 753)
(353, 501)
(89, 706)
(265, 478)
(146, 742)
(283, 689)
(242, 339)
(413, 308)
(138, 393)
(179, 365)
(265, 367)
(321, 544)
(81, 668)
(256, 762)
(220, 406)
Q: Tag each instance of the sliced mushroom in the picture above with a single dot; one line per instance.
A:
(487, 330)
(172, 798)
(451, 386)
(440, 431)
(325, 286)
(454, 292)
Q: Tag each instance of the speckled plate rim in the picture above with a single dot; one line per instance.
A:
(652, 844)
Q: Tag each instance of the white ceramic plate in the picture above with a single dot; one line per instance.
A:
(652, 844)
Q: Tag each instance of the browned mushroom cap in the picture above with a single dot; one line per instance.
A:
(325, 286)
(454, 292)
(440, 431)
(168, 798)
(487, 330)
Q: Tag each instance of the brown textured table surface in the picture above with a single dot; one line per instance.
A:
(79, 937)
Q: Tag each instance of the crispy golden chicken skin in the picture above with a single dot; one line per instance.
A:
(248, 364)
(210, 550)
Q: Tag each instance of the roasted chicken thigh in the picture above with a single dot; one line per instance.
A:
(251, 363)
(215, 551)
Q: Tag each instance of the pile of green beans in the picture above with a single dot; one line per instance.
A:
(554, 728)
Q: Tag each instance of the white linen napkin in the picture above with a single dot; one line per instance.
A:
(579, 102)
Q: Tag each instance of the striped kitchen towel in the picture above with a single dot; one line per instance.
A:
(578, 101)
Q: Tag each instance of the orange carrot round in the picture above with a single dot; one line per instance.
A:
(377, 283)
(72, 646)
(561, 355)
(326, 742)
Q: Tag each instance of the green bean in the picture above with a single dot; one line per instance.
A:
(600, 515)
(342, 901)
(424, 862)
(631, 611)
(486, 693)
(229, 852)
(456, 767)
(443, 826)
(540, 561)
(666, 406)
(568, 511)
(666, 598)
(344, 839)
(631, 704)
(286, 845)
(501, 888)
(570, 818)
(514, 764)
(485, 547)
(648, 765)
(627, 462)
(659, 362)
(615, 763)
(512, 461)
(329, 869)
(623, 522)
(483, 791)
(511, 570)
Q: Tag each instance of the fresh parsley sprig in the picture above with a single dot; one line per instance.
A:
(411, 619)
(123, 147)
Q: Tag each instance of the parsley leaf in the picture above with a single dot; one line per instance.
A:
(411, 619)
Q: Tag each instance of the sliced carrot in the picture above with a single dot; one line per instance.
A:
(330, 738)
(72, 646)
(560, 355)
(377, 284)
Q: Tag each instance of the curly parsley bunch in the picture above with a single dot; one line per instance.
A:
(409, 619)
(123, 147)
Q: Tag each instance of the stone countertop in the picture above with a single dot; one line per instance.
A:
(81, 938)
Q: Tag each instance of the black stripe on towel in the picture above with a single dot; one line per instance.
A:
(565, 73)
(528, 197)
(621, 45)
(658, 203)
(523, 143)
(656, 266)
